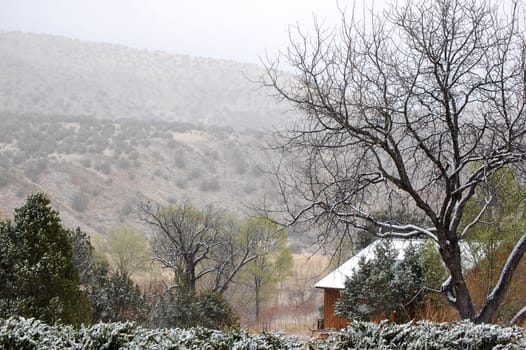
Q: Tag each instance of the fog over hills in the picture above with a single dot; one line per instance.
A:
(47, 74)
(101, 128)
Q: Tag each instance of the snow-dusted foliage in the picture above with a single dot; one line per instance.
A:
(425, 335)
(28, 334)
(19, 333)
(384, 284)
(37, 275)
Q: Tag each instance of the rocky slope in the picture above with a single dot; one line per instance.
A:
(98, 171)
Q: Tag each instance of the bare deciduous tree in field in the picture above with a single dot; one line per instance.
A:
(414, 109)
(200, 245)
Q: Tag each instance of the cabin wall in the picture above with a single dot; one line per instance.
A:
(330, 296)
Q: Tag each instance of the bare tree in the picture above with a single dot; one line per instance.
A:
(412, 109)
(199, 243)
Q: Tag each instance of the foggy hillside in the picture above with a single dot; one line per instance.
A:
(46, 74)
(101, 128)
(98, 171)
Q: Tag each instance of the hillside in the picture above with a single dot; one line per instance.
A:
(51, 75)
(98, 171)
(101, 128)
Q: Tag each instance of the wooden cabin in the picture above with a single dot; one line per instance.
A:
(334, 282)
(330, 320)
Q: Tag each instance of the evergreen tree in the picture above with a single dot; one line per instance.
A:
(8, 290)
(183, 308)
(176, 308)
(215, 311)
(83, 254)
(37, 275)
(383, 285)
(114, 296)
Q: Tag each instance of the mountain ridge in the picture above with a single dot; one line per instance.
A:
(58, 75)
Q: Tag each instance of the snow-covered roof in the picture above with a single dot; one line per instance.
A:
(472, 253)
(336, 279)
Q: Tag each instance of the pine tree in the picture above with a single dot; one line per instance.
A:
(37, 275)
(181, 307)
(115, 297)
(383, 285)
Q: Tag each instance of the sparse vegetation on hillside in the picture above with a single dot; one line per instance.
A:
(100, 170)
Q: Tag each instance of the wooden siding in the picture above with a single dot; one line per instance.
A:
(330, 296)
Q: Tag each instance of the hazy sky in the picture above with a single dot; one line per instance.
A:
(233, 29)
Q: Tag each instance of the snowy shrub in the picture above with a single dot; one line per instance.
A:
(425, 335)
(27, 334)
(108, 336)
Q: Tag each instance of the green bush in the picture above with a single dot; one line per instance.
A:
(104, 167)
(184, 308)
(79, 201)
(180, 160)
(181, 183)
(123, 163)
(86, 163)
(5, 178)
(214, 311)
